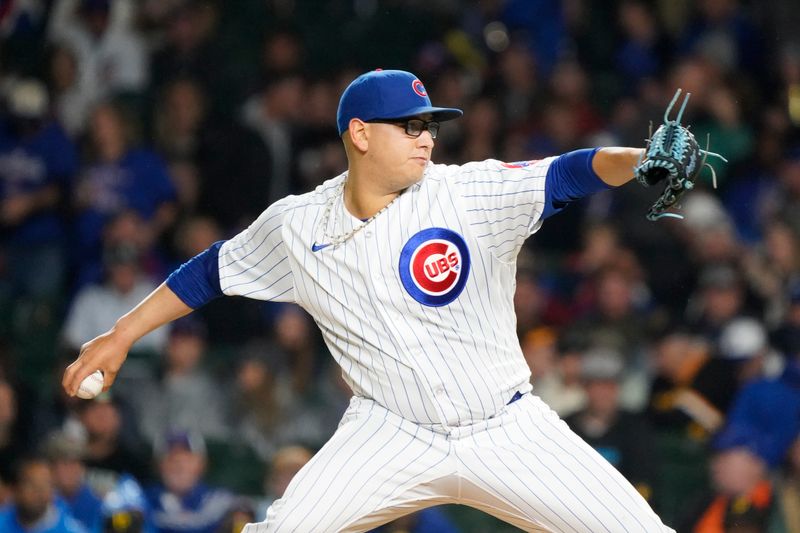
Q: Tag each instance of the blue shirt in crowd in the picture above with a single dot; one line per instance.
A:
(86, 507)
(29, 165)
(55, 520)
(202, 510)
(138, 181)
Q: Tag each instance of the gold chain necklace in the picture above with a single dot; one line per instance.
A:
(335, 240)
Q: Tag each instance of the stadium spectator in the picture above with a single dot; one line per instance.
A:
(721, 32)
(718, 299)
(111, 56)
(273, 114)
(286, 462)
(742, 496)
(692, 390)
(119, 177)
(184, 383)
(182, 502)
(12, 440)
(690, 393)
(124, 508)
(771, 408)
(188, 50)
(225, 162)
(240, 514)
(481, 131)
(37, 165)
(65, 454)
(772, 267)
(70, 106)
(276, 393)
(111, 451)
(317, 147)
(615, 322)
(644, 48)
(570, 85)
(518, 88)
(555, 369)
(607, 71)
(622, 437)
(34, 507)
(743, 343)
(787, 492)
(787, 198)
(727, 124)
(123, 287)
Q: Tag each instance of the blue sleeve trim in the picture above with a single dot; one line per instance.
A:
(196, 282)
(571, 177)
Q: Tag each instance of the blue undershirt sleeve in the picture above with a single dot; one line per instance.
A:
(196, 282)
(571, 177)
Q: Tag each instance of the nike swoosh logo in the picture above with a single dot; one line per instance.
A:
(317, 247)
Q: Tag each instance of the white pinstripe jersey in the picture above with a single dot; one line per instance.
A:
(398, 337)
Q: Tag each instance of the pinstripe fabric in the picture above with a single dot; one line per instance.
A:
(429, 422)
(452, 364)
(524, 467)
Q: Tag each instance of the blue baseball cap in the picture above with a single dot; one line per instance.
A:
(768, 443)
(386, 94)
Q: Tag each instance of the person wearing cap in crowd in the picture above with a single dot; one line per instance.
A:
(182, 502)
(742, 494)
(719, 298)
(37, 165)
(771, 407)
(66, 454)
(743, 343)
(408, 269)
(624, 438)
(34, 508)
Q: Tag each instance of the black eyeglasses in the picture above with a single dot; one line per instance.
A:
(413, 126)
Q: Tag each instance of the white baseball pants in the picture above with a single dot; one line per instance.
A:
(524, 466)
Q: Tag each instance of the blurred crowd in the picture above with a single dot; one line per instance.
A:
(135, 133)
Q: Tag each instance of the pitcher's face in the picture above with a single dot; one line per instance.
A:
(401, 157)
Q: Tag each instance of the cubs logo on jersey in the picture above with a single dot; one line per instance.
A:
(434, 266)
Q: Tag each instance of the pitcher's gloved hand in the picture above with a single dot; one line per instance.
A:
(674, 157)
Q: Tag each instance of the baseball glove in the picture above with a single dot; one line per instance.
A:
(672, 155)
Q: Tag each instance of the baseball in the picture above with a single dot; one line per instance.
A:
(91, 386)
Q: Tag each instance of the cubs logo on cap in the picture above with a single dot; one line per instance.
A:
(387, 94)
(434, 266)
